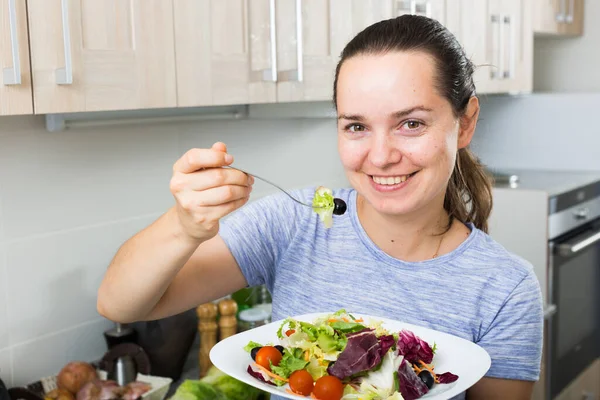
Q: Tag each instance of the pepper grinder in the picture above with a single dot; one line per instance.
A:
(119, 334)
(207, 326)
(227, 318)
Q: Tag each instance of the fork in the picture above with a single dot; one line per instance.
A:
(339, 204)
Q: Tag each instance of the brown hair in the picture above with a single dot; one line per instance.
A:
(469, 193)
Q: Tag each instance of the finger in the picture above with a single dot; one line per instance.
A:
(221, 195)
(227, 208)
(220, 146)
(215, 177)
(196, 159)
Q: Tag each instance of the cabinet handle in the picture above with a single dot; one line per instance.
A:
(64, 76)
(560, 16)
(269, 74)
(298, 73)
(12, 76)
(569, 17)
(510, 49)
(498, 53)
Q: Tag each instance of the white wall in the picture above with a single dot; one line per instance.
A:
(551, 131)
(570, 64)
(68, 201)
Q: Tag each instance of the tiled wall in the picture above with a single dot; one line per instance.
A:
(68, 200)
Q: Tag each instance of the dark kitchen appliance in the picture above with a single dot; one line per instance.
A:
(574, 283)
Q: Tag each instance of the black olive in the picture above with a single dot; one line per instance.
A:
(339, 206)
(427, 378)
(254, 351)
(280, 348)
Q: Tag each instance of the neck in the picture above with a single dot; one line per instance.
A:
(411, 237)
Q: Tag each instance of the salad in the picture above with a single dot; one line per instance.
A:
(340, 357)
(326, 205)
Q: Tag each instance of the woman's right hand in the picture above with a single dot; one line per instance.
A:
(205, 192)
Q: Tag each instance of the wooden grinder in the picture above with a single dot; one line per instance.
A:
(207, 326)
(227, 320)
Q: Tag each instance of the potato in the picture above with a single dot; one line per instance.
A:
(74, 375)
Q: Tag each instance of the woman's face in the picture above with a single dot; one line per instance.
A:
(397, 136)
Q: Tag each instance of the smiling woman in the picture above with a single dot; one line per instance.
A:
(412, 245)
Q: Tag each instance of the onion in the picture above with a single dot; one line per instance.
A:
(74, 375)
(100, 390)
(135, 390)
(59, 394)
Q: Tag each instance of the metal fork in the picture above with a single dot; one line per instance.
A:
(273, 184)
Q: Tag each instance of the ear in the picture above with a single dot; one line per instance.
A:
(468, 122)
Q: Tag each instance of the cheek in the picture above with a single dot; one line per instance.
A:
(352, 153)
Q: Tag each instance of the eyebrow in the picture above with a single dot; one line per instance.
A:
(397, 114)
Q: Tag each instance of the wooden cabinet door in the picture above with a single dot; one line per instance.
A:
(559, 17)
(90, 55)
(498, 37)
(435, 9)
(225, 52)
(15, 87)
(311, 35)
(573, 19)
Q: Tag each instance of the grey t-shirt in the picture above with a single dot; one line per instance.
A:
(479, 291)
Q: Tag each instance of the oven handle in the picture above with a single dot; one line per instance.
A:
(570, 248)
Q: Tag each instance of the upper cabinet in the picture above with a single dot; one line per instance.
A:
(559, 17)
(90, 55)
(15, 86)
(498, 37)
(267, 51)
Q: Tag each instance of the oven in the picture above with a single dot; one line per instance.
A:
(574, 285)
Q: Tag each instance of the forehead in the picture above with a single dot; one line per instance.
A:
(381, 82)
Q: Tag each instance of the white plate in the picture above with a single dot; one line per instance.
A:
(459, 356)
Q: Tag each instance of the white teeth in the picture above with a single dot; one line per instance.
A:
(390, 180)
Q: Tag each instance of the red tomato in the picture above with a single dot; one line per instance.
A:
(328, 387)
(290, 332)
(266, 354)
(301, 382)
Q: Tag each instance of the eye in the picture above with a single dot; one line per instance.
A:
(355, 128)
(413, 125)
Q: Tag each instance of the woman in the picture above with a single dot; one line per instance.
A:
(412, 245)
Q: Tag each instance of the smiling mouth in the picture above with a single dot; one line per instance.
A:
(391, 180)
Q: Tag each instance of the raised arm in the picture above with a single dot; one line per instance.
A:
(179, 261)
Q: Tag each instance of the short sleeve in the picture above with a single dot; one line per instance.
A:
(515, 336)
(257, 235)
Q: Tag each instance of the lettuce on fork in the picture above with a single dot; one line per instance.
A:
(323, 205)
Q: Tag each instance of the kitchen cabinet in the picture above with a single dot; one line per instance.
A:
(498, 36)
(15, 87)
(559, 17)
(269, 51)
(585, 387)
(89, 55)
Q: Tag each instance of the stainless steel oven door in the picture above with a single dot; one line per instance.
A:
(575, 290)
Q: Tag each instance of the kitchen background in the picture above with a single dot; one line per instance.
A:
(69, 199)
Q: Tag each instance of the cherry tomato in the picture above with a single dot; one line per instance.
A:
(328, 387)
(266, 354)
(290, 332)
(301, 382)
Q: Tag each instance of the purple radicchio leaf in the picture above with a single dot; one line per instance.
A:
(360, 354)
(259, 376)
(447, 377)
(385, 343)
(413, 348)
(411, 386)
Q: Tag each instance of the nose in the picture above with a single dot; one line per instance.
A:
(384, 151)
